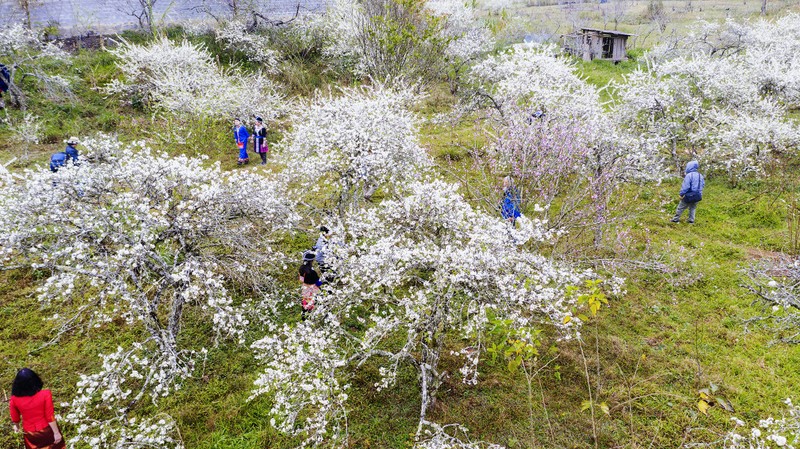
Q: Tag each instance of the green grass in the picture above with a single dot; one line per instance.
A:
(600, 73)
(683, 330)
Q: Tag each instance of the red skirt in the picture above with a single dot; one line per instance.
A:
(42, 439)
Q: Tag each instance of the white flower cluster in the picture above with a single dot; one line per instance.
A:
(534, 86)
(340, 24)
(158, 432)
(776, 283)
(535, 75)
(468, 36)
(771, 433)
(724, 92)
(17, 40)
(360, 140)
(410, 271)
(101, 409)
(184, 78)
(27, 130)
(141, 238)
(105, 148)
(302, 373)
(234, 36)
(435, 436)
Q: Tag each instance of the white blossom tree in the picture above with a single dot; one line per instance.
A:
(539, 78)
(138, 241)
(385, 40)
(722, 93)
(26, 131)
(358, 141)
(468, 36)
(23, 51)
(183, 78)
(548, 129)
(257, 47)
(412, 273)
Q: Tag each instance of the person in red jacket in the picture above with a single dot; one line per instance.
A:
(34, 407)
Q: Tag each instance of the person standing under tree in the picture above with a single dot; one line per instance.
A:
(241, 135)
(308, 291)
(510, 206)
(260, 140)
(321, 247)
(691, 192)
(34, 407)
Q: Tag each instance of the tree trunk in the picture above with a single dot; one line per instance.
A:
(763, 7)
(430, 378)
(26, 8)
(675, 155)
(150, 4)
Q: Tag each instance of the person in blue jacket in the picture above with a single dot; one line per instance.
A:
(691, 192)
(241, 135)
(58, 160)
(510, 206)
(71, 151)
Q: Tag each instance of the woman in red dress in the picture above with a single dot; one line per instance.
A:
(35, 407)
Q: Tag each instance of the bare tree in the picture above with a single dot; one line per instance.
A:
(254, 12)
(145, 12)
(618, 10)
(657, 13)
(573, 14)
(26, 6)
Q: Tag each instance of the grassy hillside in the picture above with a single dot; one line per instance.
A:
(682, 325)
(673, 17)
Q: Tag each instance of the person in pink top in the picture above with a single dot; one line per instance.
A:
(34, 407)
(307, 292)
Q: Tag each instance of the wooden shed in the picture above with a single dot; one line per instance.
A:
(593, 43)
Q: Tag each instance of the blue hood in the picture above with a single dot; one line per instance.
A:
(692, 167)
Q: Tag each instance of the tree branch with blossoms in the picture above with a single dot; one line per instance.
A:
(139, 241)
(418, 270)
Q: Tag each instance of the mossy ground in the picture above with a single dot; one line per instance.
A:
(647, 354)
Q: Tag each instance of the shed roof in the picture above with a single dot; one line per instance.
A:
(616, 33)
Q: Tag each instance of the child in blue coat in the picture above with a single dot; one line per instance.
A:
(241, 135)
(509, 208)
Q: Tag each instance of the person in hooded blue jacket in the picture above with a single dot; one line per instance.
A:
(691, 192)
(241, 135)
